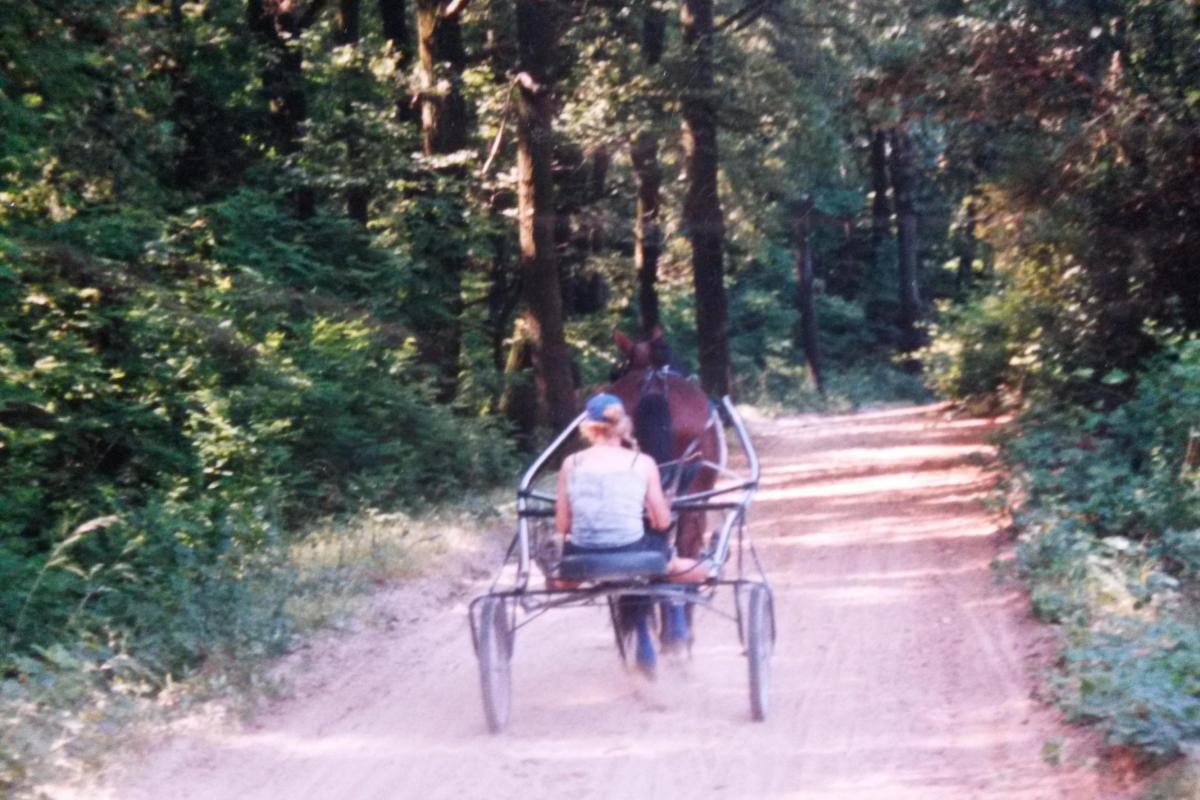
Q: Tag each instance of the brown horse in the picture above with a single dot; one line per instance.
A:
(671, 421)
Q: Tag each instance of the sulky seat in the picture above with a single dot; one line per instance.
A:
(611, 566)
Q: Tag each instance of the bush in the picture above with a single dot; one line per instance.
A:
(1109, 518)
(1142, 681)
(973, 345)
(206, 405)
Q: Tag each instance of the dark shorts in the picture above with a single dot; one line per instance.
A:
(650, 542)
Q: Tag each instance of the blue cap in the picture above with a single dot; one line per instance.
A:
(599, 404)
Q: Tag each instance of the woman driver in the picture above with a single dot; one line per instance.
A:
(603, 493)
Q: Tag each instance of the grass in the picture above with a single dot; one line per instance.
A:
(60, 718)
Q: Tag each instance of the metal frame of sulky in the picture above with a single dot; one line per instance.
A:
(515, 604)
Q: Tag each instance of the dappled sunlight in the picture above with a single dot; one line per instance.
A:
(961, 568)
(939, 535)
(899, 482)
(858, 595)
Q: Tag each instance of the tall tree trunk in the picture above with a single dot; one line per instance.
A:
(504, 290)
(904, 186)
(395, 28)
(598, 161)
(702, 214)
(441, 61)
(805, 292)
(881, 209)
(358, 196)
(654, 31)
(644, 154)
(519, 405)
(279, 27)
(349, 15)
(393, 15)
(535, 203)
(647, 234)
(967, 247)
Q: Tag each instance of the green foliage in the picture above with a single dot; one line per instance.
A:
(1109, 513)
(1087, 237)
(973, 345)
(208, 391)
(1142, 681)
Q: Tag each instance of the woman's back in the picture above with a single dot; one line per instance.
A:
(607, 492)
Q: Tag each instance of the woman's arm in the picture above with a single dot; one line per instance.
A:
(657, 508)
(562, 503)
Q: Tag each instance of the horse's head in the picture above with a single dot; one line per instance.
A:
(671, 423)
(641, 383)
(651, 353)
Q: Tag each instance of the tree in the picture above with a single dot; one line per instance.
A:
(967, 243)
(903, 172)
(881, 209)
(445, 131)
(278, 24)
(394, 18)
(643, 152)
(535, 203)
(442, 59)
(346, 34)
(647, 232)
(805, 291)
(702, 215)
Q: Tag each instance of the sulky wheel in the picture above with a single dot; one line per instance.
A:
(495, 671)
(760, 641)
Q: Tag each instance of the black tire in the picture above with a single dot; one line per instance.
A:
(495, 671)
(760, 641)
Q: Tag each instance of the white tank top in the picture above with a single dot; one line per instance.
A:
(606, 505)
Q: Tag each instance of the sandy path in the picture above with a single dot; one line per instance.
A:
(902, 670)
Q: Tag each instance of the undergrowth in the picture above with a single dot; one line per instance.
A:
(65, 709)
(1108, 505)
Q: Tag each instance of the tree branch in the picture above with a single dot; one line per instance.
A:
(499, 134)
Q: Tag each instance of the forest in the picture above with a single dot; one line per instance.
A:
(269, 263)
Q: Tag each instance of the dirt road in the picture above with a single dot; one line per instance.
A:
(903, 670)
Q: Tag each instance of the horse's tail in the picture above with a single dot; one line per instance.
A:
(652, 427)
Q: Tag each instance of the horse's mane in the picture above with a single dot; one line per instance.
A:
(652, 426)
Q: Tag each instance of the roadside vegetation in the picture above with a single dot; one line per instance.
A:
(270, 268)
(1104, 487)
(1088, 330)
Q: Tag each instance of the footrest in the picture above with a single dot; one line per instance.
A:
(611, 566)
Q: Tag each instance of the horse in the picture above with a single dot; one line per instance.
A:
(671, 422)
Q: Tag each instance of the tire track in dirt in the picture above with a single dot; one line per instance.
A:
(902, 669)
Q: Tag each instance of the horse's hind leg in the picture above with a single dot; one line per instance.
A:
(634, 615)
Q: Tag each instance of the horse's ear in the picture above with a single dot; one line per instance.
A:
(624, 343)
